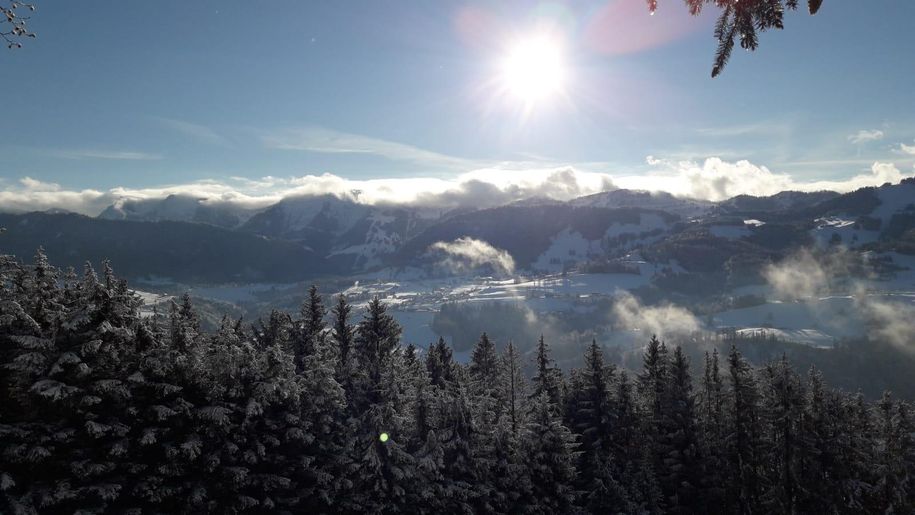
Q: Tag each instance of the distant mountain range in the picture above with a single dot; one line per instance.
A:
(174, 251)
(191, 240)
(178, 208)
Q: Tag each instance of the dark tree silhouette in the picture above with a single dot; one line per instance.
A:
(743, 20)
(106, 410)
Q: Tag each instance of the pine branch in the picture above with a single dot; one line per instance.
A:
(814, 5)
(743, 18)
(727, 31)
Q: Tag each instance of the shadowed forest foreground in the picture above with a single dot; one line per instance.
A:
(103, 410)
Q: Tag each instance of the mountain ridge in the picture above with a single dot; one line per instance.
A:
(313, 235)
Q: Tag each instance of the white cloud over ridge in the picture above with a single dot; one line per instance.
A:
(716, 179)
(713, 179)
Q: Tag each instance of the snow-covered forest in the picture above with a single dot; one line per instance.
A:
(323, 411)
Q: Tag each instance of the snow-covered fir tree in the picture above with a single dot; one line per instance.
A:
(103, 410)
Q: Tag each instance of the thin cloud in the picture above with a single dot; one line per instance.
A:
(819, 163)
(907, 149)
(317, 139)
(864, 136)
(195, 131)
(766, 128)
(117, 155)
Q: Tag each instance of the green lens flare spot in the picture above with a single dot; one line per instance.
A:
(383, 437)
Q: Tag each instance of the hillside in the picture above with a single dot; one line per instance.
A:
(180, 251)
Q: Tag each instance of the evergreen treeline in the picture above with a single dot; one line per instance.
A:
(103, 410)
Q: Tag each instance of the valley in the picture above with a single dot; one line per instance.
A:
(617, 274)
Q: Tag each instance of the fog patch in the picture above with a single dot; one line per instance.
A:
(892, 321)
(664, 320)
(465, 254)
(806, 275)
(798, 277)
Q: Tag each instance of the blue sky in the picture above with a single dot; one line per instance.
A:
(140, 95)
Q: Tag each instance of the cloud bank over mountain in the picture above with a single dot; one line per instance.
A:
(713, 179)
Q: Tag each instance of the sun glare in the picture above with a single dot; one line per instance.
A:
(533, 69)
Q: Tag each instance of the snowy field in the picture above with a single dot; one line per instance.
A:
(414, 300)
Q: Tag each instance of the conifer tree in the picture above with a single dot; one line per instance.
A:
(106, 411)
(508, 476)
(69, 368)
(184, 324)
(440, 364)
(653, 383)
(547, 378)
(711, 417)
(849, 485)
(743, 439)
(483, 384)
(550, 457)
(251, 420)
(41, 292)
(462, 491)
(322, 411)
(894, 463)
(279, 329)
(653, 380)
(513, 389)
(783, 410)
(163, 391)
(310, 330)
(590, 414)
(423, 443)
(499, 458)
(484, 364)
(342, 337)
(680, 475)
(630, 451)
(382, 470)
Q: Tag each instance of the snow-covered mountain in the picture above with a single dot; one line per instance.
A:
(868, 216)
(179, 208)
(359, 234)
(308, 217)
(548, 235)
(658, 200)
(781, 201)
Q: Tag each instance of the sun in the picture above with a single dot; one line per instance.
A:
(533, 69)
